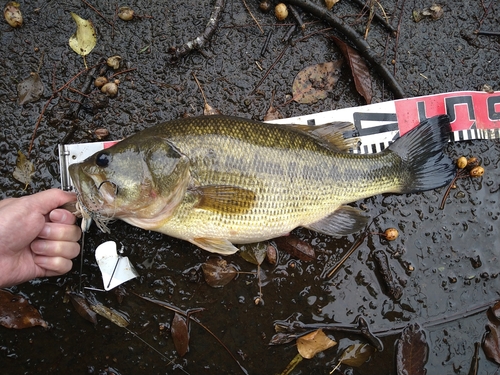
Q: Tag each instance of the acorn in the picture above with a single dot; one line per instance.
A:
(281, 11)
(110, 89)
(477, 171)
(101, 133)
(472, 162)
(125, 13)
(114, 61)
(391, 234)
(330, 3)
(100, 81)
(265, 6)
(461, 162)
(12, 14)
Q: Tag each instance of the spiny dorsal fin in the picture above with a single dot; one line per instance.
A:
(224, 198)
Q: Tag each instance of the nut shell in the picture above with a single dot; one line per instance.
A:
(391, 234)
(110, 89)
(12, 14)
(281, 11)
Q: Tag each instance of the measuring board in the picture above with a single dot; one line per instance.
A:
(473, 115)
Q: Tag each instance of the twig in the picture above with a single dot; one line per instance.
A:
(363, 48)
(377, 17)
(347, 255)
(298, 329)
(251, 15)
(280, 56)
(266, 43)
(54, 94)
(122, 71)
(490, 33)
(190, 317)
(297, 17)
(461, 173)
(200, 41)
(99, 13)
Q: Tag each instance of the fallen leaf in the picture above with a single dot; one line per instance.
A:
(357, 354)
(180, 334)
(208, 110)
(24, 169)
(412, 351)
(106, 312)
(17, 313)
(282, 338)
(491, 343)
(314, 82)
(85, 38)
(254, 253)
(217, 272)
(296, 247)
(313, 343)
(29, 90)
(82, 307)
(359, 69)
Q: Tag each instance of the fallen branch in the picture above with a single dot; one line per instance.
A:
(363, 48)
(200, 41)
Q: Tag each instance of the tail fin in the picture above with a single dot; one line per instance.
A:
(421, 151)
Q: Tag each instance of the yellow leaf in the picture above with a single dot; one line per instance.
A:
(24, 169)
(314, 343)
(85, 38)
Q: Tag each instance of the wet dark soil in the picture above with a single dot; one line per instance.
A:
(445, 260)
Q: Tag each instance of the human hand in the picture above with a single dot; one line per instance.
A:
(37, 239)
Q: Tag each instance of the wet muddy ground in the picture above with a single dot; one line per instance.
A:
(445, 260)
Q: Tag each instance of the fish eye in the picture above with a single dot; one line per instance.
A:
(102, 159)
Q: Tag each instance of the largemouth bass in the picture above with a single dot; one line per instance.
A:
(217, 181)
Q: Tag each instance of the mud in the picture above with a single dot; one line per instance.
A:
(446, 261)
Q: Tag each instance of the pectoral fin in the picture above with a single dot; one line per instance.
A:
(343, 221)
(225, 198)
(215, 245)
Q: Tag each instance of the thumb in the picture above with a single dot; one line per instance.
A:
(50, 199)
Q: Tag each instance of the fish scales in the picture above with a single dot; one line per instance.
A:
(251, 181)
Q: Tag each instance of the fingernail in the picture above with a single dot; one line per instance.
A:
(45, 232)
(58, 215)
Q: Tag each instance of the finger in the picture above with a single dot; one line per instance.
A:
(53, 266)
(62, 216)
(64, 249)
(48, 200)
(60, 232)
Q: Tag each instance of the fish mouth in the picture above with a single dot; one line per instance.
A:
(94, 195)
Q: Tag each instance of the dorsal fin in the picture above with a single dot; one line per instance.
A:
(331, 134)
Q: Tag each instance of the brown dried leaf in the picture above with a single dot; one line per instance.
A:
(24, 169)
(254, 253)
(217, 272)
(282, 338)
(412, 351)
(17, 313)
(296, 247)
(314, 82)
(180, 334)
(29, 90)
(82, 307)
(272, 114)
(359, 69)
(357, 354)
(491, 343)
(208, 110)
(314, 343)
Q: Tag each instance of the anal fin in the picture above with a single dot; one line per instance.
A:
(343, 221)
(215, 245)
